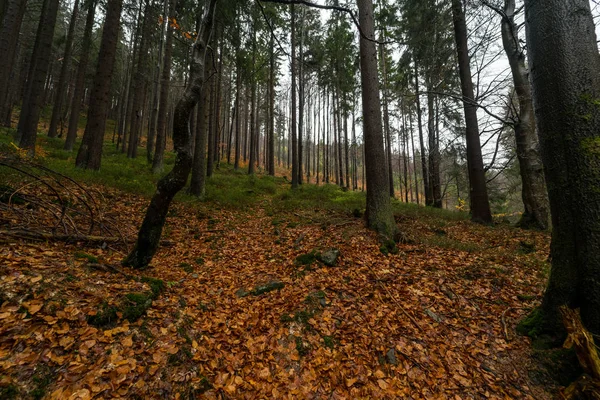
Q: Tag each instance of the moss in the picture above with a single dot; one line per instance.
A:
(9, 392)
(90, 258)
(268, 287)
(532, 325)
(105, 316)
(388, 247)
(41, 379)
(306, 259)
(329, 342)
(135, 305)
(186, 267)
(157, 286)
(302, 347)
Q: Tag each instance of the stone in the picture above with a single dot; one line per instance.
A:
(329, 257)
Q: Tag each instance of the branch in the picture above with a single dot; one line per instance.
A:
(334, 8)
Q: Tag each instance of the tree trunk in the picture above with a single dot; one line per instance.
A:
(271, 159)
(140, 80)
(90, 152)
(379, 211)
(163, 103)
(425, 174)
(174, 181)
(9, 34)
(79, 89)
(64, 70)
(32, 101)
(198, 181)
(434, 152)
(386, 121)
(294, 140)
(566, 87)
(480, 205)
(534, 194)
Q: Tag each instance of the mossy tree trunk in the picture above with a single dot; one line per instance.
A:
(174, 181)
(566, 95)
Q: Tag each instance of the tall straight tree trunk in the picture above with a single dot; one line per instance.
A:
(386, 120)
(64, 70)
(238, 120)
(294, 139)
(33, 99)
(379, 210)
(561, 45)
(198, 180)
(271, 160)
(480, 205)
(90, 152)
(301, 100)
(534, 194)
(425, 174)
(414, 156)
(154, 221)
(9, 35)
(79, 89)
(253, 115)
(153, 125)
(163, 103)
(140, 79)
(434, 152)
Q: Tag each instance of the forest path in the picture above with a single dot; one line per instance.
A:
(435, 320)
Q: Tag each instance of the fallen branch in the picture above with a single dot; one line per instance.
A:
(587, 386)
(33, 235)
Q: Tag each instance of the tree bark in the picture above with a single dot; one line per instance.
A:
(379, 211)
(534, 194)
(271, 159)
(163, 104)
(64, 69)
(198, 181)
(480, 205)
(86, 43)
(140, 79)
(425, 174)
(9, 34)
(90, 152)
(566, 91)
(32, 101)
(174, 181)
(294, 140)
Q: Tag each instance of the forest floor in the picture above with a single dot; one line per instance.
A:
(239, 303)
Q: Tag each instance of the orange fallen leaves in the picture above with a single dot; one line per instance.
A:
(199, 336)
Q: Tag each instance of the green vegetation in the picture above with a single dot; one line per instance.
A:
(85, 256)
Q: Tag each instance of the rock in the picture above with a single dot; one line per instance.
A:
(329, 257)
(242, 292)
(434, 316)
(390, 357)
(267, 287)
(195, 275)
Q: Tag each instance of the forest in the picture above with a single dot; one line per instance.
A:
(299, 199)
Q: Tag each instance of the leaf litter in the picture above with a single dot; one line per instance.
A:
(435, 320)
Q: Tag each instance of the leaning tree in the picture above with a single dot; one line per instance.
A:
(174, 181)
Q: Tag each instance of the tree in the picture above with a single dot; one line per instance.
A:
(38, 69)
(379, 209)
(86, 44)
(175, 180)
(294, 123)
(57, 111)
(566, 91)
(9, 33)
(161, 123)
(90, 152)
(534, 195)
(480, 205)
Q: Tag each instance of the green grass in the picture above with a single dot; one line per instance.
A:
(227, 188)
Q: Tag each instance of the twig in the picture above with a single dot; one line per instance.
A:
(412, 319)
(506, 335)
